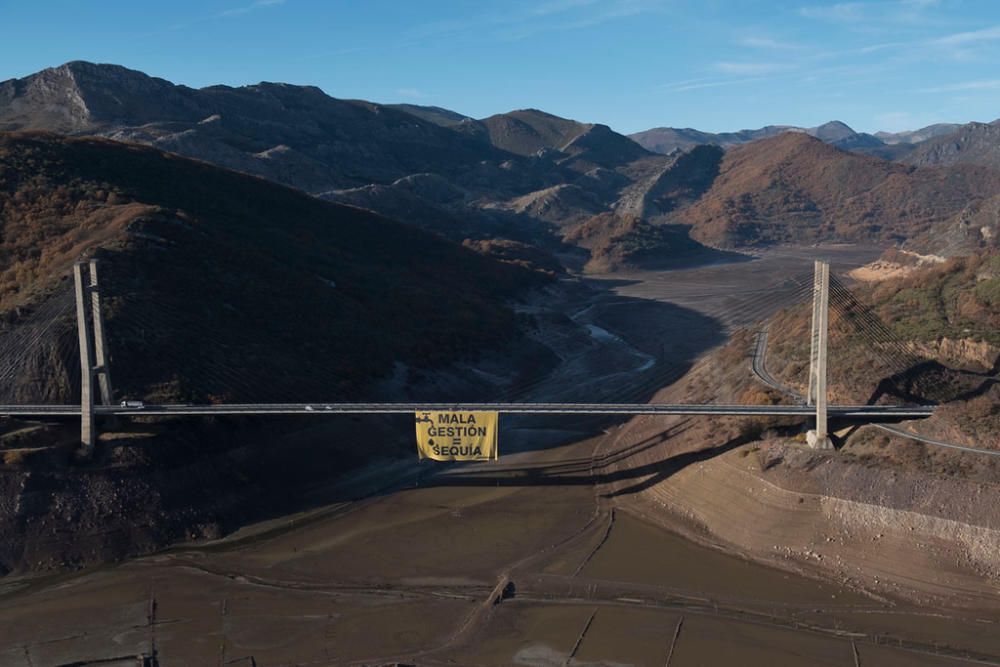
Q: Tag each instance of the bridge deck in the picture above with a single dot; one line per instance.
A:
(865, 412)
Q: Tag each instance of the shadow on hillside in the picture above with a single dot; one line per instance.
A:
(932, 383)
(608, 469)
(194, 477)
(672, 336)
(624, 350)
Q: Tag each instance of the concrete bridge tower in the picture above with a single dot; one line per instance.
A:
(819, 438)
(93, 351)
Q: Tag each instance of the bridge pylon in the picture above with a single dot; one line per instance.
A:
(93, 350)
(819, 438)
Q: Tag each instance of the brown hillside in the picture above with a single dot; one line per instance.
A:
(795, 188)
(940, 345)
(253, 275)
(958, 299)
(620, 242)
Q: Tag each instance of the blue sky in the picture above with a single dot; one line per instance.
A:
(633, 64)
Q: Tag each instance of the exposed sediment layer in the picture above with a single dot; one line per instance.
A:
(884, 528)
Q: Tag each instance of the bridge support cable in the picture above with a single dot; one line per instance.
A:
(813, 338)
(819, 438)
(747, 314)
(193, 351)
(641, 384)
(897, 362)
(871, 328)
(27, 340)
(870, 322)
(752, 311)
(882, 346)
(139, 332)
(209, 361)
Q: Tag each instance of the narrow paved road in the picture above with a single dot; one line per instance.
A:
(759, 365)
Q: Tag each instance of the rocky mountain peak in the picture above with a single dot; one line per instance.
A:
(971, 144)
(81, 95)
(833, 131)
(49, 99)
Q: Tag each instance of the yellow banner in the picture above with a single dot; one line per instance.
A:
(457, 436)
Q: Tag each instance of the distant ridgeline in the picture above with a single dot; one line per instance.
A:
(527, 186)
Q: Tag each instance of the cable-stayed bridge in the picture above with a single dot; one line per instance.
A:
(852, 412)
(22, 357)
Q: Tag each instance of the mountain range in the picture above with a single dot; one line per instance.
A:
(272, 243)
(530, 184)
(922, 146)
(970, 144)
(793, 188)
(466, 182)
(940, 144)
(669, 139)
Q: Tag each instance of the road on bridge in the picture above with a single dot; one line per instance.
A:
(856, 412)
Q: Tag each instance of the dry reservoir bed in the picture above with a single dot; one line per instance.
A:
(538, 559)
(413, 576)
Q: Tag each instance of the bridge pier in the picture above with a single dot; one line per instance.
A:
(819, 438)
